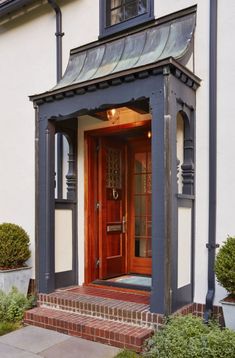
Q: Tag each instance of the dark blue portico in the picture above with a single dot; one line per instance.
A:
(144, 67)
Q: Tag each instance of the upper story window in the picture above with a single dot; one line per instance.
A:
(118, 15)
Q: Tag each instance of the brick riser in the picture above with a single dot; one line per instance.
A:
(117, 334)
(111, 309)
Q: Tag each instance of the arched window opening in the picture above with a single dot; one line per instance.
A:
(185, 154)
(180, 151)
(64, 167)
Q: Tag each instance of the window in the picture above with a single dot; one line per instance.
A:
(118, 15)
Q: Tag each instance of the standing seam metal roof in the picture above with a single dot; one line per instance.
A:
(145, 47)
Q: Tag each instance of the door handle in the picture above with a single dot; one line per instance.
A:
(124, 224)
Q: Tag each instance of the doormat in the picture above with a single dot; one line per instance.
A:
(133, 280)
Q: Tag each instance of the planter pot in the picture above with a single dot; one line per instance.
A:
(18, 278)
(229, 313)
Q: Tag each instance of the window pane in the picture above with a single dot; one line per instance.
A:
(116, 16)
(121, 10)
(115, 3)
(142, 7)
(131, 10)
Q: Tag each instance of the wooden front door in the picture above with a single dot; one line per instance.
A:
(118, 189)
(112, 204)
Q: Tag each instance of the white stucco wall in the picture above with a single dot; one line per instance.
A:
(166, 7)
(225, 125)
(202, 151)
(28, 66)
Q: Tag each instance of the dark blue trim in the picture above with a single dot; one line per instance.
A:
(212, 159)
(12, 5)
(124, 25)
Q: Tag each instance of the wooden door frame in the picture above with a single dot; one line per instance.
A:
(90, 179)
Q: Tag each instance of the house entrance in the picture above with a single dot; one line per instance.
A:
(122, 222)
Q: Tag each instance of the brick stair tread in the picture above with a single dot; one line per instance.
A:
(115, 333)
(90, 299)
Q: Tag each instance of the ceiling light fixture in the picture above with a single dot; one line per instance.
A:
(113, 115)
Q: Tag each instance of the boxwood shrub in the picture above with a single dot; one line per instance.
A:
(14, 246)
(225, 265)
(189, 337)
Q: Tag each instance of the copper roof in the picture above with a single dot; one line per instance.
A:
(130, 52)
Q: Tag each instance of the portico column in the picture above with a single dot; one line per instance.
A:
(161, 201)
(46, 206)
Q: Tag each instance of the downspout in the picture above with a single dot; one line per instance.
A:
(59, 34)
(211, 245)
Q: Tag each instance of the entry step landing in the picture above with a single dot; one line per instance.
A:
(90, 313)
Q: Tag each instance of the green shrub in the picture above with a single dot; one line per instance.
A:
(225, 265)
(127, 354)
(7, 327)
(14, 246)
(13, 305)
(189, 337)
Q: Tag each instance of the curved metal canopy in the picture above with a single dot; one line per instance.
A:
(145, 47)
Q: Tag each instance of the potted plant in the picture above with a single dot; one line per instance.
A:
(14, 252)
(225, 273)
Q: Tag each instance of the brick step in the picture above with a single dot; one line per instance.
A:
(116, 310)
(117, 334)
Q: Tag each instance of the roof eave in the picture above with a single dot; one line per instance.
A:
(181, 72)
(13, 5)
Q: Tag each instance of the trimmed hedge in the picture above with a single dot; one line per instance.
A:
(225, 265)
(14, 246)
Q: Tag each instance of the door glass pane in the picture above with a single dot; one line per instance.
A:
(149, 227)
(140, 205)
(140, 227)
(143, 203)
(142, 247)
(140, 184)
(149, 162)
(149, 183)
(113, 171)
(140, 162)
(149, 248)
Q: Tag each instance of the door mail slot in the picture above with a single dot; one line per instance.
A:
(114, 227)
